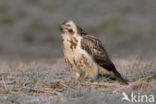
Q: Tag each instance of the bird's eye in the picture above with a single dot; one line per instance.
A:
(68, 25)
(71, 31)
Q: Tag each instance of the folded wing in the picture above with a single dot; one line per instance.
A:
(94, 48)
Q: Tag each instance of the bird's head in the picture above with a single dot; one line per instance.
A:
(69, 27)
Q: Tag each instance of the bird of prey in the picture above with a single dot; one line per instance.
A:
(85, 54)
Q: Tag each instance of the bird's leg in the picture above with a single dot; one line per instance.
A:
(77, 76)
(83, 76)
(77, 79)
(80, 77)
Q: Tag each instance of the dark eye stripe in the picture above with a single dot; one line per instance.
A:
(71, 31)
(68, 25)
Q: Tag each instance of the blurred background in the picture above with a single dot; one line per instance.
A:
(30, 28)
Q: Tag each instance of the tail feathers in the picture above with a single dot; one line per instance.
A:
(118, 76)
(114, 74)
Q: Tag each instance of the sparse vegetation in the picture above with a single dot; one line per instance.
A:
(36, 82)
(29, 30)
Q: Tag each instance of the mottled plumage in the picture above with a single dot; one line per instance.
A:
(85, 54)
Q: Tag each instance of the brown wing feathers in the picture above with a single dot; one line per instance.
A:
(95, 49)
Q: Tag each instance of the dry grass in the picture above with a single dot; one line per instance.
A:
(24, 82)
(29, 29)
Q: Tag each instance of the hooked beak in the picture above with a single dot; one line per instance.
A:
(62, 27)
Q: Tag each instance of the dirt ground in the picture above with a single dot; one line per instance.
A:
(50, 82)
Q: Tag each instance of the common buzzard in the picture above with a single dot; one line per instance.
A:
(86, 55)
